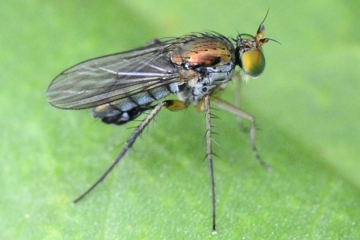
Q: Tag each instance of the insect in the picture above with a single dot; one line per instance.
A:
(195, 68)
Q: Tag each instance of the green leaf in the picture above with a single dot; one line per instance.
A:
(306, 103)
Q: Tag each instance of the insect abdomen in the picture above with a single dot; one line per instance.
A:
(127, 109)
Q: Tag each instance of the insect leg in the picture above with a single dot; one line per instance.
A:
(238, 95)
(240, 113)
(127, 146)
(210, 159)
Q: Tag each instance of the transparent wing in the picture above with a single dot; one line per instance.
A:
(105, 79)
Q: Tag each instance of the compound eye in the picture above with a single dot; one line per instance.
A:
(253, 62)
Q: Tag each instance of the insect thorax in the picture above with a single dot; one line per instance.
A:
(195, 90)
(206, 62)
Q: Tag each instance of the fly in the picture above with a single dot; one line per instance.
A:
(195, 68)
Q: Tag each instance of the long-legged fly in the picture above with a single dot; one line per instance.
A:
(195, 68)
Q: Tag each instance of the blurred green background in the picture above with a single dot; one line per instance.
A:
(307, 105)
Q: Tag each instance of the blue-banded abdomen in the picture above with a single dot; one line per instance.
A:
(126, 109)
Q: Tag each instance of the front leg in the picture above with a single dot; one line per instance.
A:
(241, 114)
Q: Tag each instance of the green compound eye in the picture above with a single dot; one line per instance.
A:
(253, 62)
